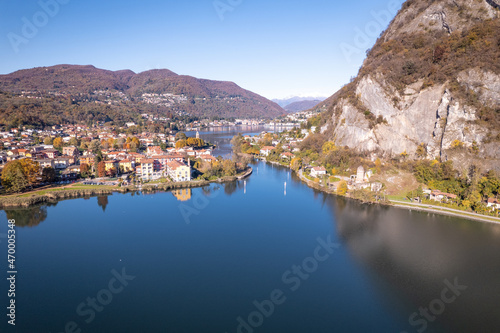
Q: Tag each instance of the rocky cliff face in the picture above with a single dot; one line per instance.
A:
(447, 15)
(431, 103)
(430, 116)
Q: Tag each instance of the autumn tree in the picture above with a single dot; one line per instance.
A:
(296, 163)
(194, 142)
(237, 142)
(31, 170)
(474, 198)
(84, 170)
(457, 144)
(95, 146)
(254, 150)
(13, 178)
(404, 154)
(73, 142)
(58, 142)
(17, 175)
(342, 189)
(132, 143)
(97, 158)
(48, 175)
(136, 141)
(229, 167)
(120, 142)
(421, 151)
(101, 169)
(112, 172)
(180, 136)
(489, 185)
(48, 140)
(266, 140)
(328, 147)
(84, 145)
(181, 144)
(378, 165)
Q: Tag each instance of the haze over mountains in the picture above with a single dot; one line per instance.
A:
(302, 105)
(68, 93)
(289, 100)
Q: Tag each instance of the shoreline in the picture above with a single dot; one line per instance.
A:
(58, 194)
(446, 211)
(409, 206)
(64, 193)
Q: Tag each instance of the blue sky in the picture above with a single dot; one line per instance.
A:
(274, 48)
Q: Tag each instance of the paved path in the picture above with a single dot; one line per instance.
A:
(445, 210)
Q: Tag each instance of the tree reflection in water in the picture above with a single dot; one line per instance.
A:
(28, 217)
(102, 201)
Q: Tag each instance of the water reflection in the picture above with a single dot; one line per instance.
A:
(221, 136)
(210, 190)
(232, 187)
(182, 194)
(28, 217)
(102, 201)
(411, 253)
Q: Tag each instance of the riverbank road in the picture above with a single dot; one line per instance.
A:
(445, 210)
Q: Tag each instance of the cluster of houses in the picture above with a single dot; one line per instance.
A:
(151, 164)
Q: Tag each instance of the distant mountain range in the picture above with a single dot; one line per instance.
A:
(73, 93)
(301, 105)
(287, 101)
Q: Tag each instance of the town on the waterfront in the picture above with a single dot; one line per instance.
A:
(82, 157)
(250, 166)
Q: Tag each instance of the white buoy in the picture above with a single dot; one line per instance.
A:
(285, 188)
(244, 187)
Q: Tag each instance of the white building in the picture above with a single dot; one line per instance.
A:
(318, 171)
(493, 203)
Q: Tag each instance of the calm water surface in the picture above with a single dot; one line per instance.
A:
(221, 136)
(210, 259)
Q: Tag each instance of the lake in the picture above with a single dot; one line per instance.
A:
(221, 136)
(249, 256)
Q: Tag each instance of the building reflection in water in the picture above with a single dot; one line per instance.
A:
(182, 194)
